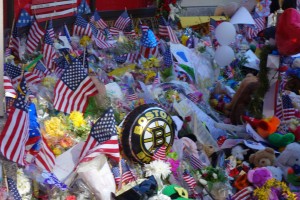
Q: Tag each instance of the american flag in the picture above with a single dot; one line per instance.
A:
(108, 34)
(143, 27)
(160, 153)
(196, 162)
(50, 29)
(45, 159)
(24, 19)
(165, 29)
(252, 31)
(7, 52)
(9, 103)
(16, 129)
(149, 45)
(48, 51)
(101, 43)
(189, 180)
(8, 87)
(244, 194)
(61, 65)
(98, 21)
(15, 73)
(83, 8)
(68, 36)
(195, 97)
(116, 172)
(133, 57)
(82, 27)
(40, 70)
(129, 30)
(14, 42)
(127, 174)
(156, 79)
(122, 21)
(131, 95)
(103, 139)
(13, 190)
(73, 89)
(168, 61)
(284, 109)
(121, 58)
(50, 9)
(34, 36)
(212, 25)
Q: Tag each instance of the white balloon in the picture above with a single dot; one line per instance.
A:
(225, 33)
(224, 55)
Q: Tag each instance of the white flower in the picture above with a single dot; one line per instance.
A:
(204, 171)
(158, 168)
(202, 181)
(23, 185)
(160, 197)
(215, 176)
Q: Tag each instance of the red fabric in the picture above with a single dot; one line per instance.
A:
(288, 31)
(100, 5)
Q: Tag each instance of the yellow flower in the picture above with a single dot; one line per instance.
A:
(54, 127)
(56, 151)
(77, 119)
(48, 82)
(85, 41)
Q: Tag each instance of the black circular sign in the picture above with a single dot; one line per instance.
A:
(147, 128)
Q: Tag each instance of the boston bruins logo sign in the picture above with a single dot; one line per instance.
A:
(146, 128)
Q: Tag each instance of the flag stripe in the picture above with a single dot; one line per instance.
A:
(35, 34)
(66, 100)
(13, 138)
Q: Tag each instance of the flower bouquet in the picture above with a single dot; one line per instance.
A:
(215, 181)
(63, 132)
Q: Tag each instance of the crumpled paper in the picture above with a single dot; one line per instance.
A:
(97, 175)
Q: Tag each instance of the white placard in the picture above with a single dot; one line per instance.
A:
(66, 162)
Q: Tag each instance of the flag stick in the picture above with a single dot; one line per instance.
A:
(5, 177)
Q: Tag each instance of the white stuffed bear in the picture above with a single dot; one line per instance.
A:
(276, 172)
(238, 152)
(290, 157)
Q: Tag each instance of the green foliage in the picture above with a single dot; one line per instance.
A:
(256, 104)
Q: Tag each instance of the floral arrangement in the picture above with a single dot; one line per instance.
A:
(264, 192)
(210, 176)
(62, 132)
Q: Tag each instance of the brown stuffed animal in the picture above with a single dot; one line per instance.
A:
(241, 99)
(263, 158)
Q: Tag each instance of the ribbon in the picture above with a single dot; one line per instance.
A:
(33, 62)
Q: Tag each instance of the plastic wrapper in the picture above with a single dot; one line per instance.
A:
(97, 175)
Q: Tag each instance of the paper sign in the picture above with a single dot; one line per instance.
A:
(229, 143)
(113, 90)
(273, 61)
(66, 162)
(254, 145)
(253, 134)
(242, 16)
(181, 53)
(253, 61)
(65, 40)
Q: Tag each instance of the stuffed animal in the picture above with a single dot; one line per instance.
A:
(259, 176)
(238, 152)
(276, 172)
(263, 158)
(238, 106)
(281, 140)
(290, 157)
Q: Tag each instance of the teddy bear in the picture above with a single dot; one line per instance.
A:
(259, 176)
(289, 158)
(263, 158)
(276, 172)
